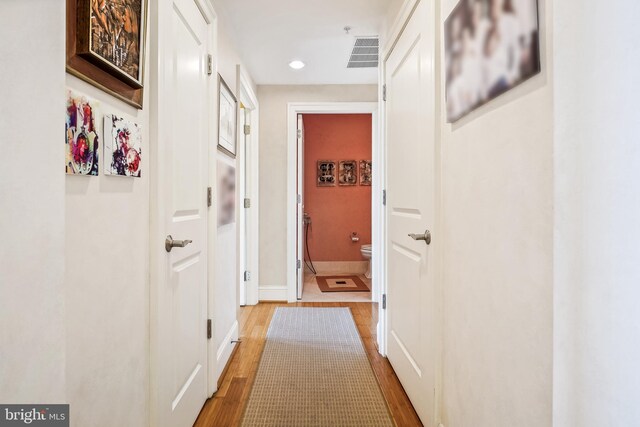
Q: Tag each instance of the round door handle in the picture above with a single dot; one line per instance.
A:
(169, 243)
(426, 237)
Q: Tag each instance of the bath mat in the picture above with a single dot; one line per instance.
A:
(314, 371)
(341, 284)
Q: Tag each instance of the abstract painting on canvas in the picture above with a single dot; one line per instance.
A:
(122, 147)
(81, 137)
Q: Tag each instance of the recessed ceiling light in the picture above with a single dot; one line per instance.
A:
(296, 65)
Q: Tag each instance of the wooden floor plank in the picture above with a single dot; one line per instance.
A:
(226, 407)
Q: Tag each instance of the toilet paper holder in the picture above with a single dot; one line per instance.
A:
(354, 237)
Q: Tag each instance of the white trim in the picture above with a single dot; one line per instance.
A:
(379, 236)
(294, 109)
(273, 293)
(251, 221)
(212, 384)
(406, 10)
(224, 351)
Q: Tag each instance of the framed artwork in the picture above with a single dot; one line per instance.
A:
(227, 120)
(81, 135)
(326, 173)
(106, 45)
(348, 174)
(226, 193)
(491, 46)
(122, 147)
(365, 172)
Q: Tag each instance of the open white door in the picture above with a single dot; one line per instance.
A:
(179, 203)
(410, 128)
(300, 209)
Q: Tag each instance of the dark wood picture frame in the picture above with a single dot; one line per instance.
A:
(326, 173)
(88, 66)
(230, 142)
(348, 173)
(365, 172)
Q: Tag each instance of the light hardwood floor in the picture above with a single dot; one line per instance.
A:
(227, 405)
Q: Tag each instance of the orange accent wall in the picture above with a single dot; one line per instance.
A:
(337, 211)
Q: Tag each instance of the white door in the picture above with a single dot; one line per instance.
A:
(410, 127)
(300, 211)
(180, 340)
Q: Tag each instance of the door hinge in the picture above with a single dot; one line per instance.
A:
(384, 301)
(247, 203)
(247, 129)
(247, 276)
(384, 197)
(298, 264)
(209, 197)
(299, 198)
(384, 92)
(208, 329)
(209, 65)
(299, 133)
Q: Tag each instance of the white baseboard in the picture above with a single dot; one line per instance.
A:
(272, 293)
(225, 350)
(340, 267)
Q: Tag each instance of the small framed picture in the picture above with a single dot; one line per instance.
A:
(326, 173)
(365, 172)
(227, 118)
(348, 172)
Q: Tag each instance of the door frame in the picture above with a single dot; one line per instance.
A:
(377, 185)
(248, 167)
(394, 33)
(158, 17)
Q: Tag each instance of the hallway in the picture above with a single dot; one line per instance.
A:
(477, 160)
(226, 407)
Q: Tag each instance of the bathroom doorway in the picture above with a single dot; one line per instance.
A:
(378, 215)
(334, 216)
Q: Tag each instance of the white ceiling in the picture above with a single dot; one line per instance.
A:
(271, 33)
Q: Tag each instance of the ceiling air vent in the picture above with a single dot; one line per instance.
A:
(365, 53)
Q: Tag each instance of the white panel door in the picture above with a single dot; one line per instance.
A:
(182, 183)
(410, 127)
(300, 210)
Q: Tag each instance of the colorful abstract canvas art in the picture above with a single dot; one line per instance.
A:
(81, 137)
(122, 147)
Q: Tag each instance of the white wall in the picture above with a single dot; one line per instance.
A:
(107, 279)
(273, 169)
(597, 203)
(497, 271)
(32, 323)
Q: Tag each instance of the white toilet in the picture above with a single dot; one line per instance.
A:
(365, 250)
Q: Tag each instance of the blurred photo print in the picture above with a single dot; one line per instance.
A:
(491, 46)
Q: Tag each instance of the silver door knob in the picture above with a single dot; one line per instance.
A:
(426, 237)
(169, 243)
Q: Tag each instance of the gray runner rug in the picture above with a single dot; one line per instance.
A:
(314, 372)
